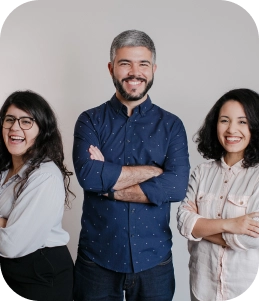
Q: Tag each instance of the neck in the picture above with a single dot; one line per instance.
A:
(130, 104)
(17, 164)
(232, 158)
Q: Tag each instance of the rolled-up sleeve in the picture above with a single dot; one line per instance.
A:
(92, 175)
(172, 184)
(186, 219)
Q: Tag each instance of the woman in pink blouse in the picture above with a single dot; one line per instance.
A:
(219, 215)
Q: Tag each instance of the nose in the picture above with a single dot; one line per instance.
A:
(232, 128)
(134, 70)
(15, 126)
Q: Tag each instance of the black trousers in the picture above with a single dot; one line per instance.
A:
(44, 275)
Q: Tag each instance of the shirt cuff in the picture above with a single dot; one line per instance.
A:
(187, 227)
(153, 191)
(110, 175)
(232, 241)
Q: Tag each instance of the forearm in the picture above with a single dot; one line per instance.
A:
(132, 194)
(239, 225)
(216, 239)
(3, 222)
(132, 175)
(207, 227)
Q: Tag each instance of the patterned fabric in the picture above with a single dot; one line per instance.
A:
(121, 236)
(218, 273)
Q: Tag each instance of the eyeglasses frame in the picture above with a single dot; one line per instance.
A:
(2, 121)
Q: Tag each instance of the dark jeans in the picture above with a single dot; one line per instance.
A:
(44, 275)
(94, 283)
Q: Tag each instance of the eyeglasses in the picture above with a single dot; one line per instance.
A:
(25, 123)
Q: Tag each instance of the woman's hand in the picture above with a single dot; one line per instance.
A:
(192, 207)
(95, 153)
(3, 222)
(244, 224)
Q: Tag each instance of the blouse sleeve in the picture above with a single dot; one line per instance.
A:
(38, 208)
(186, 219)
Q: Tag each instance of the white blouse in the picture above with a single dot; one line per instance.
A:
(34, 218)
(221, 273)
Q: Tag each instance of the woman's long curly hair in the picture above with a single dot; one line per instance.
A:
(206, 137)
(47, 145)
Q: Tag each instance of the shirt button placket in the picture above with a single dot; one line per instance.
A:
(128, 144)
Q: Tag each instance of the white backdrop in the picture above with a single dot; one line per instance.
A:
(60, 49)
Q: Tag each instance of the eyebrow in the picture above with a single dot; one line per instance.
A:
(18, 117)
(228, 117)
(129, 61)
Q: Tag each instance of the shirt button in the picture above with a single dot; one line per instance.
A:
(218, 214)
(241, 203)
(133, 211)
(225, 181)
(128, 140)
(229, 168)
(221, 197)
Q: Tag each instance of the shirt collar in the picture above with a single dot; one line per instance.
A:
(236, 168)
(21, 172)
(141, 109)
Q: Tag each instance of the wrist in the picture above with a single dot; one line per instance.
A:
(111, 195)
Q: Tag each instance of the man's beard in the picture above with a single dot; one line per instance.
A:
(128, 96)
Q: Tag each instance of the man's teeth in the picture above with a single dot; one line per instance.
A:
(233, 139)
(134, 83)
(16, 138)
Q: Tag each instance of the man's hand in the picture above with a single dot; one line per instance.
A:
(95, 153)
(3, 222)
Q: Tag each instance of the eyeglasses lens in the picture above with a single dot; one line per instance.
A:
(25, 122)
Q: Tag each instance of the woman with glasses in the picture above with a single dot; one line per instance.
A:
(34, 187)
(219, 215)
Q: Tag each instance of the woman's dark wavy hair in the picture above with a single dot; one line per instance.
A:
(206, 137)
(48, 143)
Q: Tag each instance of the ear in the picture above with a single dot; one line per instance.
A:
(110, 67)
(154, 68)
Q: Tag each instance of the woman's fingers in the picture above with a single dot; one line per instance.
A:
(244, 224)
(192, 207)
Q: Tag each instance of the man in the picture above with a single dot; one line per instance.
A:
(131, 159)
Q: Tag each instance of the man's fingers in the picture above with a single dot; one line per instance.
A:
(95, 153)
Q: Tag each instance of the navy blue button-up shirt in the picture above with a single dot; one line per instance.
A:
(122, 236)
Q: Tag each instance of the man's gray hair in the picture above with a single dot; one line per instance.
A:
(132, 38)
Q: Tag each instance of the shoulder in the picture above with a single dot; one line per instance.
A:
(47, 171)
(165, 114)
(206, 167)
(253, 171)
(95, 112)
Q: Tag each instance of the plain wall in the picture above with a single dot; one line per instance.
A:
(60, 49)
